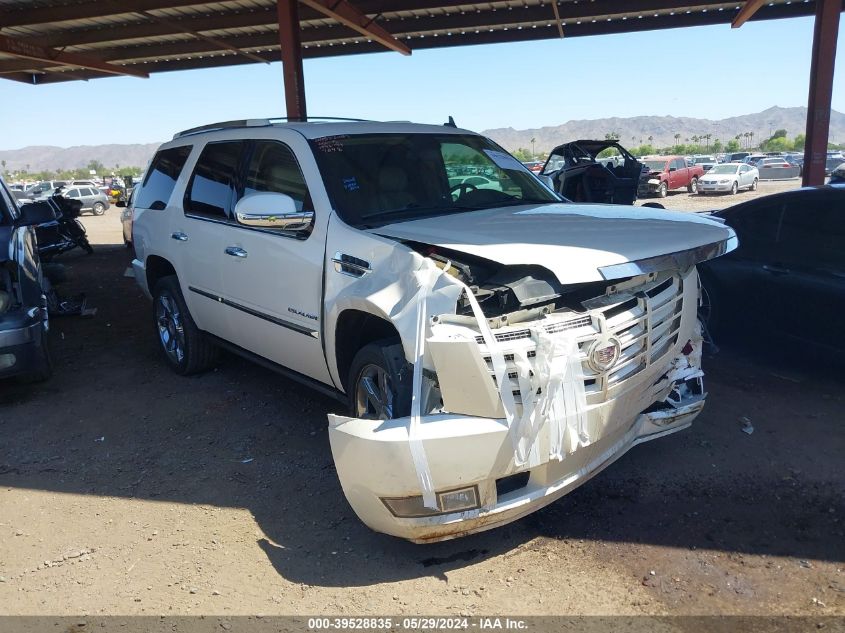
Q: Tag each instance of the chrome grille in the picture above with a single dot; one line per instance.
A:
(646, 326)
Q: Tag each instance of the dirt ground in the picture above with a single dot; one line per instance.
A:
(681, 200)
(125, 489)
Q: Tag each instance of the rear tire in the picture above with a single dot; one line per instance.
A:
(185, 347)
(99, 208)
(754, 185)
(693, 186)
(379, 382)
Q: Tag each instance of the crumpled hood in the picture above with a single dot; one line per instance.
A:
(572, 240)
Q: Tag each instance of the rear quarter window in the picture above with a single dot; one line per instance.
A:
(162, 176)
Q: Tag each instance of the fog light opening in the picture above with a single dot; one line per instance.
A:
(7, 360)
(448, 502)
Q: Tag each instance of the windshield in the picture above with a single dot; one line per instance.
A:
(376, 179)
(724, 169)
(654, 165)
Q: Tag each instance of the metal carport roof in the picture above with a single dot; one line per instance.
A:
(85, 39)
(44, 42)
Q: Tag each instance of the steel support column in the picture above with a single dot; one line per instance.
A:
(821, 90)
(291, 45)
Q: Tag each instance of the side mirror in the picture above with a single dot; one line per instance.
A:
(120, 203)
(36, 213)
(671, 169)
(272, 211)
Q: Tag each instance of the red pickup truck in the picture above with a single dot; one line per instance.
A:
(667, 173)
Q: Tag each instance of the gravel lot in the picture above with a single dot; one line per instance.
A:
(125, 489)
(681, 200)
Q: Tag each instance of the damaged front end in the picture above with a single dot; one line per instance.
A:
(523, 391)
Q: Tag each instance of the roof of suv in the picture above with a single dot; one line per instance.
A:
(319, 129)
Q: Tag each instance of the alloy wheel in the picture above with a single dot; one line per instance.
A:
(171, 331)
(373, 394)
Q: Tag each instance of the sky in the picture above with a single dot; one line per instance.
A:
(709, 72)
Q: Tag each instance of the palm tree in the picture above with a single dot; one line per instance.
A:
(751, 136)
(533, 155)
(677, 139)
(708, 137)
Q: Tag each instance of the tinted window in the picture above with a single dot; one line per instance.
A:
(813, 231)
(211, 190)
(757, 229)
(273, 168)
(162, 175)
(73, 193)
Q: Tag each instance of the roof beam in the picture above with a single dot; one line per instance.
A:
(746, 12)
(211, 40)
(26, 15)
(266, 16)
(348, 15)
(28, 50)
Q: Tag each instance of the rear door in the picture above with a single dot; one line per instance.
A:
(200, 235)
(811, 268)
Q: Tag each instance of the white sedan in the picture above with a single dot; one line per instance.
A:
(729, 177)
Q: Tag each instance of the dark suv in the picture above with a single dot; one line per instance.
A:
(23, 305)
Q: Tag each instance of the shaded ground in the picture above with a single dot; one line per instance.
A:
(126, 489)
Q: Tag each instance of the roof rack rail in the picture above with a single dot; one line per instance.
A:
(226, 125)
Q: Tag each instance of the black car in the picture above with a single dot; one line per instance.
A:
(594, 171)
(787, 277)
(23, 304)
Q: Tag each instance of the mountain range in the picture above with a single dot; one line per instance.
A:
(632, 131)
(635, 131)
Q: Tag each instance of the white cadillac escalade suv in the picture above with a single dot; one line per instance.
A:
(496, 344)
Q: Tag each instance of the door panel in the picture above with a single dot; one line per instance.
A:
(200, 235)
(274, 280)
(811, 274)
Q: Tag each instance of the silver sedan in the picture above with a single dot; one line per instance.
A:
(729, 178)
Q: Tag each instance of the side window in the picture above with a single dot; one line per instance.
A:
(757, 229)
(273, 169)
(678, 163)
(211, 190)
(73, 193)
(161, 177)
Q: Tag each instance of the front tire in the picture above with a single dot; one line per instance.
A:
(662, 190)
(734, 188)
(44, 366)
(379, 383)
(185, 347)
(99, 208)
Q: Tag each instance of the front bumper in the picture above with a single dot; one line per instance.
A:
(717, 188)
(374, 461)
(21, 338)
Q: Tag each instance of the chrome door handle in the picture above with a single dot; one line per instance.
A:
(235, 251)
(179, 236)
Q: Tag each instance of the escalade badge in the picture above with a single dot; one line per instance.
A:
(604, 353)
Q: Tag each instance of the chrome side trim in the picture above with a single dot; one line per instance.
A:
(261, 315)
(679, 261)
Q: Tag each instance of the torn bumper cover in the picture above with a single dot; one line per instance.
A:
(471, 464)
(561, 417)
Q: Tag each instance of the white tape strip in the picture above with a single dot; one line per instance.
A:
(426, 278)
